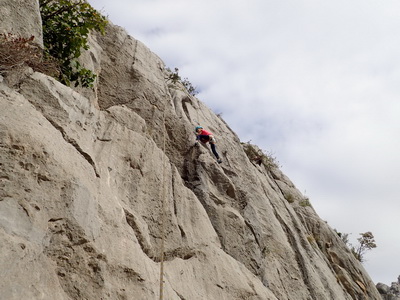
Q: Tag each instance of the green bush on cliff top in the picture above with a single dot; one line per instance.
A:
(66, 27)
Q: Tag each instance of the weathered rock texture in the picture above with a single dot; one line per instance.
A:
(20, 17)
(389, 293)
(81, 197)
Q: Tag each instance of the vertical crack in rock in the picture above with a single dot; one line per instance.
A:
(181, 252)
(299, 258)
(277, 186)
(74, 143)
(146, 247)
(190, 173)
(184, 107)
(183, 234)
(173, 195)
(253, 232)
(282, 284)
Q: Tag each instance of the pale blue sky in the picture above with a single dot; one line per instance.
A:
(317, 83)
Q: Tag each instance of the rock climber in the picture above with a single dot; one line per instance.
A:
(205, 136)
(258, 160)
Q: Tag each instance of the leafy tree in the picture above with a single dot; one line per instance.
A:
(189, 87)
(175, 77)
(66, 27)
(366, 242)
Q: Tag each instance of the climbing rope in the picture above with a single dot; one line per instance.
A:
(150, 130)
(197, 121)
(162, 217)
(134, 52)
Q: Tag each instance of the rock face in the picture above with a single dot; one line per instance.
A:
(389, 293)
(90, 181)
(20, 17)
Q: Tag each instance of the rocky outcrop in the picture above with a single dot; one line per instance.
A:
(90, 181)
(389, 293)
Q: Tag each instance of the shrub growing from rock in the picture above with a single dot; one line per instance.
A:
(66, 27)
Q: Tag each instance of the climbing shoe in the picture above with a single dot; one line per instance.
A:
(219, 160)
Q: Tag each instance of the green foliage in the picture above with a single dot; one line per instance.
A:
(305, 202)
(66, 27)
(315, 241)
(311, 239)
(190, 88)
(343, 236)
(174, 77)
(289, 198)
(365, 243)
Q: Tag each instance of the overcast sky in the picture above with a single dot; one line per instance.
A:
(317, 83)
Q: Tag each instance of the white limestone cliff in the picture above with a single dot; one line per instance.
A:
(81, 193)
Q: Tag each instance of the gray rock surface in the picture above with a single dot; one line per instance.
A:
(389, 293)
(87, 185)
(22, 18)
(383, 288)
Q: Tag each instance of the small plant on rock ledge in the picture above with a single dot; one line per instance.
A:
(310, 239)
(305, 202)
(259, 156)
(289, 198)
(174, 78)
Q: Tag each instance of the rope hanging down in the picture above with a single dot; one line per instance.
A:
(162, 217)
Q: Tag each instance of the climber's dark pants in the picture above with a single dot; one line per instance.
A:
(205, 139)
(214, 150)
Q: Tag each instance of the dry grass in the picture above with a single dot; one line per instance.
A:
(18, 52)
(259, 156)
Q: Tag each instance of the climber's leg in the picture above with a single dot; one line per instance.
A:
(214, 150)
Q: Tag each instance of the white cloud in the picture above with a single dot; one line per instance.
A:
(315, 82)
